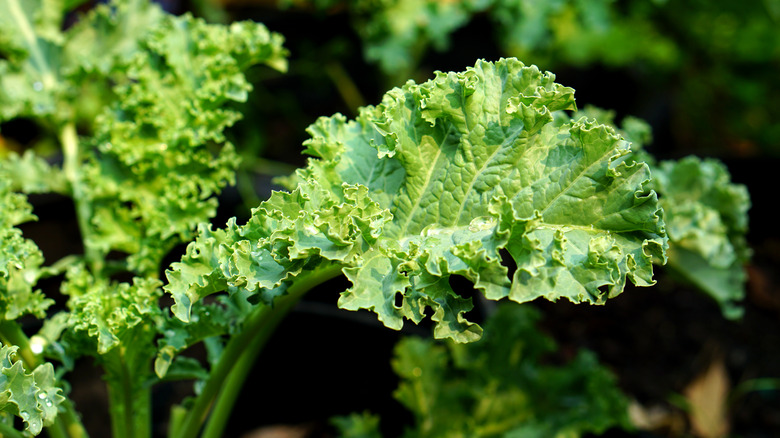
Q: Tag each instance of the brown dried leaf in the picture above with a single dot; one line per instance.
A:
(707, 396)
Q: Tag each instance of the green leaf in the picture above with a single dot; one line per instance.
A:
(103, 312)
(706, 216)
(439, 180)
(498, 386)
(30, 39)
(207, 321)
(32, 174)
(363, 425)
(31, 396)
(20, 260)
(396, 33)
(471, 163)
(159, 155)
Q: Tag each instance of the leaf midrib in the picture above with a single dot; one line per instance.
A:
(29, 35)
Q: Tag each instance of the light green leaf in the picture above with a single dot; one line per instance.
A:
(32, 174)
(31, 396)
(210, 320)
(20, 260)
(447, 178)
(706, 216)
(159, 155)
(471, 163)
(103, 312)
(30, 39)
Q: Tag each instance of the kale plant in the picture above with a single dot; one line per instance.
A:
(488, 174)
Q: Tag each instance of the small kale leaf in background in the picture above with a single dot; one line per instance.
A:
(706, 219)
(499, 386)
(706, 215)
(439, 180)
(159, 153)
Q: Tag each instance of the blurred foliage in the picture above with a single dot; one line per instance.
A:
(503, 385)
(715, 62)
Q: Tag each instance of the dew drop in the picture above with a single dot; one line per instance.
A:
(25, 415)
(49, 403)
(37, 85)
(37, 344)
(41, 395)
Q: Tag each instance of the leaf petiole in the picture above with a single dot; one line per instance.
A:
(227, 377)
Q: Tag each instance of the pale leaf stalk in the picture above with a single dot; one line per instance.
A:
(72, 169)
(228, 375)
(127, 420)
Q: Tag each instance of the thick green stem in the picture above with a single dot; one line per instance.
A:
(128, 375)
(71, 166)
(11, 334)
(129, 400)
(236, 361)
(70, 421)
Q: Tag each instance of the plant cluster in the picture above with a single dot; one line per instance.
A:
(490, 174)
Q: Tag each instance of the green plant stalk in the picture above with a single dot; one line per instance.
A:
(230, 390)
(72, 169)
(239, 355)
(129, 404)
(345, 86)
(11, 334)
(68, 423)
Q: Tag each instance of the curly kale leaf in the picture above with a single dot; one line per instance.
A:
(706, 217)
(30, 42)
(20, 260)
(105, 310)
(151, 95)
(440, 179)
(159, 150)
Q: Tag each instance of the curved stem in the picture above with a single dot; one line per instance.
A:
(239, 355)
(11, 334)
